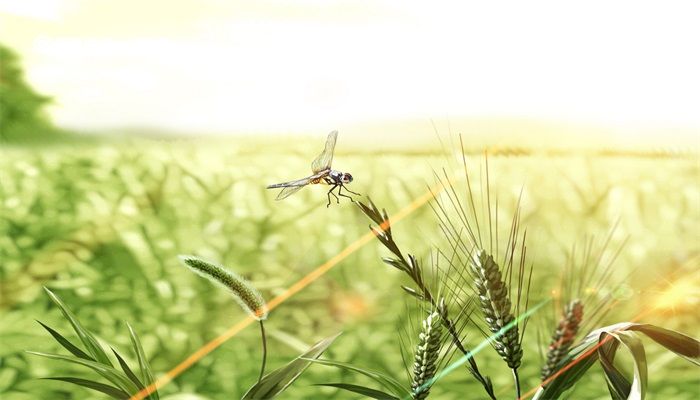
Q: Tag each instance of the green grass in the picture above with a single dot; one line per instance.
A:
(102, 225)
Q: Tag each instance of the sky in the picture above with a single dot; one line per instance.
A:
(227, 66)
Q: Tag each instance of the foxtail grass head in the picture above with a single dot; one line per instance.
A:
(243, 291)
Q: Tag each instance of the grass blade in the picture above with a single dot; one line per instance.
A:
(386, 381)
(129, 373)
(278, 380)
(89, 341)
(66, 343)
(365, 391)
(110, 391)
(108, 372)
(146, 373)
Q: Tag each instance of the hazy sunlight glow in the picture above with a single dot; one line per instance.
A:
(676, 295)
(270, 65)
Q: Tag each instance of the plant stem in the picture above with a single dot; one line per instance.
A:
(412, 269)
(516, 379)
(264, 343)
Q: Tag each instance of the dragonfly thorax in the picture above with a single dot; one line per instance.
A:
(340, 177)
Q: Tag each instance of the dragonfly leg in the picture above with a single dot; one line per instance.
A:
(340, 193)
(337, 199)
(330, 192)
(348, 190)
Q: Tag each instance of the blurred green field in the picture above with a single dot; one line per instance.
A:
(101, 225)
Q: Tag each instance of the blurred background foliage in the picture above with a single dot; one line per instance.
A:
(101, 224)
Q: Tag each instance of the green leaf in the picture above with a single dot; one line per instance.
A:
(574, 366)
(278, 380)
(66, 343)
(146, 372)
(113, 375)
(369, 392)
(580, 359)
(129, 373)
(413, 293)
(635, 346)
(683, 345)
(575, 370)
(618, 385)
(398, 264)
(386, 381)
(100, 387)
(89, 341)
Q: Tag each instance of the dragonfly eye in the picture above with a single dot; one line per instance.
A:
(347, 178)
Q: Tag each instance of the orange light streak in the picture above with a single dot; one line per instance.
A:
(289, 292)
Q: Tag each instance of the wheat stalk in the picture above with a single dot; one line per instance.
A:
(410, 266)
(474, 235)
(496, 306)
(588, 269)
(563, 337)
(426, 356)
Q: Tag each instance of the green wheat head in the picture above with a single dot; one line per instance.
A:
(243, 291)
(426, 356)
(496, 306)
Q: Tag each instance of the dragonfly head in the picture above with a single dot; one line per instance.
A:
(346, 178)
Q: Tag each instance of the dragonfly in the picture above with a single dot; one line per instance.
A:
(322, 173)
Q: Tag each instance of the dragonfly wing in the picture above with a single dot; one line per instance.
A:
(288, 191)
(291, 187)
(298, 182)
(323, 161)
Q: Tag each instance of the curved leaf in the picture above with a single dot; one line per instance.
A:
(618, 385)
(386, 381)
(637, 391)
(683, 345)
(369, 392)
(115, 376)
(89, 341)
(580, 358)
(100, 387)
(572, 368)
(66, 343)
(129, 373)
(278, 380)
(146, 373)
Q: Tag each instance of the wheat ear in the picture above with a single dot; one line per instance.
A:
(563, 337)
(496, 306)
(426, 356)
